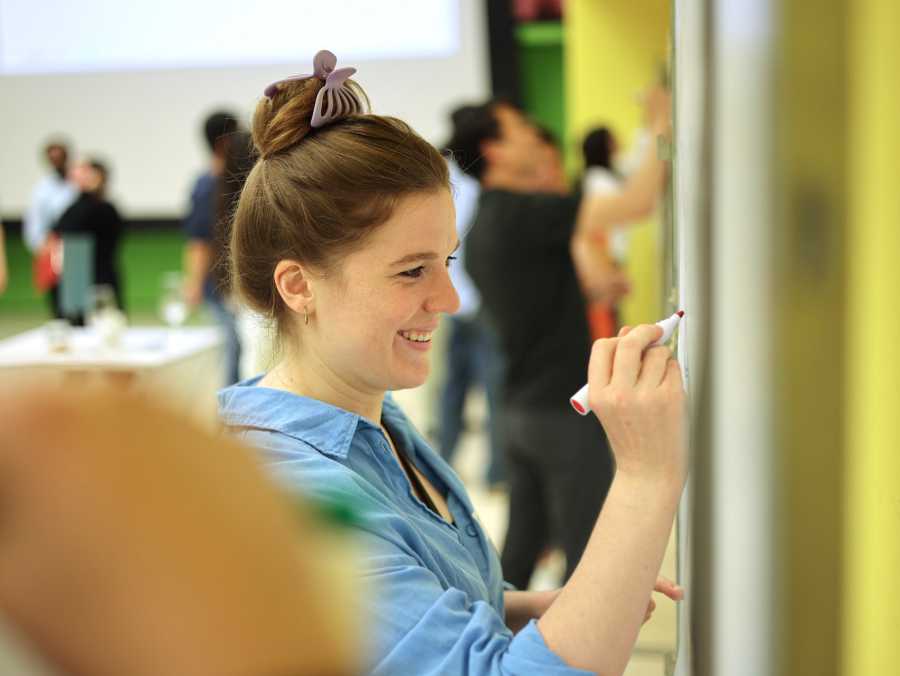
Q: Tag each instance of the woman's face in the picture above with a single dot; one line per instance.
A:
(374, 315)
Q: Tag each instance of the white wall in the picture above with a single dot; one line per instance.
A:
(147, 123)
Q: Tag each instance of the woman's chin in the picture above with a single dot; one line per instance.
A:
(409, 381)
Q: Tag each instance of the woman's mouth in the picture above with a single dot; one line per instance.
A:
(416, 336)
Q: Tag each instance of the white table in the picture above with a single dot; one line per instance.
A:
(183, 366)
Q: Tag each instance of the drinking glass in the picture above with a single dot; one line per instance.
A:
(173, 308)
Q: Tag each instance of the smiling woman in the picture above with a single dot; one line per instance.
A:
(370, 316)
(342, 235)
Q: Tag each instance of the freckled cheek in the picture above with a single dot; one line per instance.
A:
(375, 324)
(378, 314)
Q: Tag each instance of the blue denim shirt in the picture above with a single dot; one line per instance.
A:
(437, 601)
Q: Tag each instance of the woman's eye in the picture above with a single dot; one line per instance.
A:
(414, 273)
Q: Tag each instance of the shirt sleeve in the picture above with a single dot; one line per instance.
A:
(35, 226)
(600, 183)
(420, 627)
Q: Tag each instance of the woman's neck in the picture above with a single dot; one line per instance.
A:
(311, 378)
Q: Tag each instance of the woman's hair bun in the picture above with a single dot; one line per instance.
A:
(282, 120)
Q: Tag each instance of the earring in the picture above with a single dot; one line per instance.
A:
(305, 316)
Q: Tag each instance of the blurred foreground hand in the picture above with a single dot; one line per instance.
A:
(133, 543)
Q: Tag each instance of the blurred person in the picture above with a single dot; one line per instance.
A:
(472, 356)
(133, 542)
(238, 160)
(598, 150)
(595, 255)
(50, 198)
(606, 171)
(342, 236)
(255, 339)
(521, 257)
(200, 250)
(605, 253)
(555, 179)
(94, 215)
(4, 272)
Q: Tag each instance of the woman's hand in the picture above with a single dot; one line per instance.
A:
(664, 586)
(637, 393)
(658, 109)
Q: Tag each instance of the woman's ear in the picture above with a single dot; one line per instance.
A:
(294, 285)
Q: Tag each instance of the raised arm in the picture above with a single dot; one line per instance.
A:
(641, 192)
(639, 397)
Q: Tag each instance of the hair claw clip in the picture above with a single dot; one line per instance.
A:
(323, 63)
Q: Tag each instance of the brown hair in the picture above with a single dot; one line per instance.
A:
(314, 194)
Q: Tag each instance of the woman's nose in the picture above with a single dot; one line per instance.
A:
(444, 299)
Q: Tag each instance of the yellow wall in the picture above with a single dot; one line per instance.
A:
(615, 49)
(808, 245)
(872, 525)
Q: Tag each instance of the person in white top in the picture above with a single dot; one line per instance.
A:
(603, 257)
(52, 195)
(3, 272)
(605, 174)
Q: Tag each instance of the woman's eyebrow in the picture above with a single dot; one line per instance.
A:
(422, 256)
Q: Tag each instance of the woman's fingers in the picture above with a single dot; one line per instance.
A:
(671, 589)
(629, 352)
(653, 367)
(624, 331)
(672, 379)
(664, 586)
(601, 364)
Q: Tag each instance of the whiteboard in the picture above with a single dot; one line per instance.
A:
(689, 89)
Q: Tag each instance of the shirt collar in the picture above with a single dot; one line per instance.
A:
(398, 426)
(327, 428)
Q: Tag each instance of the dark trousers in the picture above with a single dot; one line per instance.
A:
(54, 302)
(473, 358)
(560, 469)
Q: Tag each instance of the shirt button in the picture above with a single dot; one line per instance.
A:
(471, 530)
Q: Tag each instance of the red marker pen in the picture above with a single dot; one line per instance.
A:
(579, 400)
